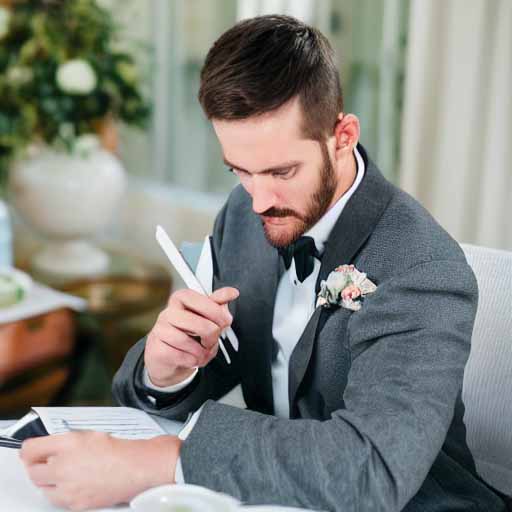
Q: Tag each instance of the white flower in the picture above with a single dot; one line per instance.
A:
(5, 18)
(76, 77)
(336, 281)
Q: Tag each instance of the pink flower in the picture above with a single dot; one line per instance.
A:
(345, 269)
(350, 292)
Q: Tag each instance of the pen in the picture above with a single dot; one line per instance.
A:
(190, 280)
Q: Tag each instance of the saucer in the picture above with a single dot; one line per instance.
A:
(183, 498)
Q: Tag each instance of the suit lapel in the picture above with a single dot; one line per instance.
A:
(353, 227)
(358, 219)
(255, 317)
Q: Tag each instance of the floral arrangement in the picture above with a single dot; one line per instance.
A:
(346, 287)
(61, 74)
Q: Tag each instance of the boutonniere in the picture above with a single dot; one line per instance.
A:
(345, 286)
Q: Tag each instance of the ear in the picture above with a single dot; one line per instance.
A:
(346, 133)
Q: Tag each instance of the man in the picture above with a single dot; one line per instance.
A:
(353, 407)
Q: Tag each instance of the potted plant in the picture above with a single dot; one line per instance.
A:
(63, 85)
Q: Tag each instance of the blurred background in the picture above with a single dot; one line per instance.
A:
(102, 138)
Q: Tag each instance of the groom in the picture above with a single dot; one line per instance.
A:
(354, 405)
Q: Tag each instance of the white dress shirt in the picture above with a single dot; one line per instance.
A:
(294, 305)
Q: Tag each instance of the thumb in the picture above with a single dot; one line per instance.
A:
(225, 295)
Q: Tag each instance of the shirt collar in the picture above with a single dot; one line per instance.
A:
(322, 229)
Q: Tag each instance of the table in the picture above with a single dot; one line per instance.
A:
(19, 494)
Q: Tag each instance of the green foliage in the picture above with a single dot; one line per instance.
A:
(39, 37)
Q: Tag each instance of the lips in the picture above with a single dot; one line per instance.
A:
(274, 221)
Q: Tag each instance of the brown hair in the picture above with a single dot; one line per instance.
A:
(261, 63)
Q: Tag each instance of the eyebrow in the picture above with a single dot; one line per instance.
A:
(284, 165)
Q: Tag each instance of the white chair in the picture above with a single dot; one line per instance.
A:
(487, 390)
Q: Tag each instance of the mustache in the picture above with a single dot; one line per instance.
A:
(277, 212)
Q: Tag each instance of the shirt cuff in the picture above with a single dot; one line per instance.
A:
(179, 477)
(167, 389)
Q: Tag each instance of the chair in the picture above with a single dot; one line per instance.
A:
(487, 389)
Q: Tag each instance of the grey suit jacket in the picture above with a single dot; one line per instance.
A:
(376, 412)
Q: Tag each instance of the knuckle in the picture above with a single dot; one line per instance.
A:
(213, 332)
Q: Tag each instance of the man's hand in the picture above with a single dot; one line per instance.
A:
(186, 334)
(82, 470)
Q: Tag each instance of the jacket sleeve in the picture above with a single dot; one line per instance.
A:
(409, 344)
(211, 382)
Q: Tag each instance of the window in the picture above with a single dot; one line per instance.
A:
(181, 148)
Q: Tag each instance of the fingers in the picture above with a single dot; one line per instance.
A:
(54, 496)
(225, 295)
(186, 354)
(207, 330)
(39, 449)
(42, 475)
(171, 345)
(204, 306)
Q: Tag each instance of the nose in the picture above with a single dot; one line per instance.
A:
(263, 196)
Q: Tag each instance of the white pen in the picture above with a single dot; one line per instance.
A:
(190, 280)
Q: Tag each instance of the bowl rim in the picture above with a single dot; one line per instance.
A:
(161, 490)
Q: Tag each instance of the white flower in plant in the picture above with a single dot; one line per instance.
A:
(76, 77)
(5, 17)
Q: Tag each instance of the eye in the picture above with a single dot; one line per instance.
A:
(285, 174)
(238, 172)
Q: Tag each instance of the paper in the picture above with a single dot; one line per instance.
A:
(123, 422)
(40, 299)
(18, 494)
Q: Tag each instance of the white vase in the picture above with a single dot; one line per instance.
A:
(68, 198)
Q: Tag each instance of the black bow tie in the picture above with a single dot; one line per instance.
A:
(304, 252)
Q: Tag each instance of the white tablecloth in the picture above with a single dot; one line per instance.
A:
(18, 494)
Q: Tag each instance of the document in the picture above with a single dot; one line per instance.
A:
(122, 422)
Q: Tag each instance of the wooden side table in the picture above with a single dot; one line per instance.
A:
(123, 305)
(35, 360)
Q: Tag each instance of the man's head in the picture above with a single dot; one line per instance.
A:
(272, 91)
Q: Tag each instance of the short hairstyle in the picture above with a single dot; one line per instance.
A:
(261, 63)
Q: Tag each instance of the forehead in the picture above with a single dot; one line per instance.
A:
(266, 140)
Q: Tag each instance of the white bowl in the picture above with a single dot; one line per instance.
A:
(183, 498)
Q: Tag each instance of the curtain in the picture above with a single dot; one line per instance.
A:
(457, 122)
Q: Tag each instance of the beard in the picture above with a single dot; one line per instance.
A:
(318, 204)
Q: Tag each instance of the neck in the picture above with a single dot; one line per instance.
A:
(347, 178)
